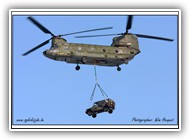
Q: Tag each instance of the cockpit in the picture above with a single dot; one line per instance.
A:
(57, 41)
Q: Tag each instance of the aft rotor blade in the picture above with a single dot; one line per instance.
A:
(153, 37)
(96, 35)
(129, 23)
(45, 30)
(106, 28)
(37, 47)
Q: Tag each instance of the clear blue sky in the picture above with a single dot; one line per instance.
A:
(56, 92)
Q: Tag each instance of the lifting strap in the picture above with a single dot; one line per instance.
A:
(97, 84)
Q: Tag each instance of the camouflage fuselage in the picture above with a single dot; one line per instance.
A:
(122, 50)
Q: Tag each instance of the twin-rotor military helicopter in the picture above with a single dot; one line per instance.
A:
(123, 48)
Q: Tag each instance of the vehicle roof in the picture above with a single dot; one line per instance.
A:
(102, 101)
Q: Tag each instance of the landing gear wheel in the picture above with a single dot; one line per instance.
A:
(118, 68)
(77, 67)
(94, 115)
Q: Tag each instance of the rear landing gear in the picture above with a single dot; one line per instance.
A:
(118, 68)
(77, 67)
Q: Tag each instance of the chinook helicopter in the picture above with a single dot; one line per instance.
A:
(123, 48)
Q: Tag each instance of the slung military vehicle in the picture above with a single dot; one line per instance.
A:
(123, 48)
(107, 105)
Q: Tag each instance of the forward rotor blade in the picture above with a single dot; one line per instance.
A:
(96, 35)
(129, 23)
(45, 30)
(153, 37)
(37, 47)
(87, 31)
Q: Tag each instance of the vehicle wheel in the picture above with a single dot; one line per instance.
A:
(94, 115)
(110, 111)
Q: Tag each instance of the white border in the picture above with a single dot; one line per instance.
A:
(94, 128)
(93, 12)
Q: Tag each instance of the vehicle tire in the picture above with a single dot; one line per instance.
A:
(94, 115)
(110, 111)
